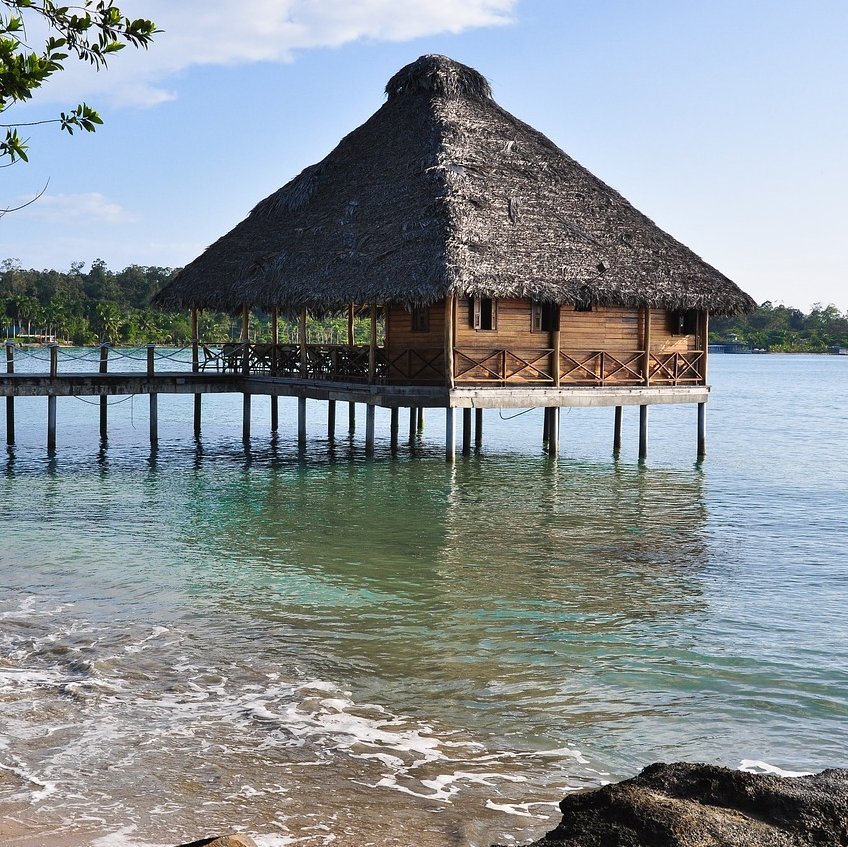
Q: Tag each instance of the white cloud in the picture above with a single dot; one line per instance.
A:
(220, 32)
(92, 207)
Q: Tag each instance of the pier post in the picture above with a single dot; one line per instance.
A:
(466, 432)
(420, 419)
(275, 413)
(369, 430)
(195, 368)
(331, 420)
(245, 417)
(393, 428)
(351, 418)
(104, 404)
(616, 432)
(10, 401)
(702, 430)
(51, 422)
(154, 398)
(301, 422)
(413, 418)
(546, 425)
(553, 431)
(450, 435)
(643, 433)
(51, 399)
(478, 428)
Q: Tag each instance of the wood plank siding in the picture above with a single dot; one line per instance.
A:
(603, 346)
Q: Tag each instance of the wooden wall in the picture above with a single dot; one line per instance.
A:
(613, 328)
(662, 339)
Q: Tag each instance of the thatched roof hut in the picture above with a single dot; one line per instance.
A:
(442, 191)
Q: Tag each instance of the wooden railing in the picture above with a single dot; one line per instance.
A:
(321, 361)
(426, 366)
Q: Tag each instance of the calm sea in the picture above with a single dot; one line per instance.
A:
(321, 649)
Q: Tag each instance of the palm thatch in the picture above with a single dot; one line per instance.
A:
(442, 191)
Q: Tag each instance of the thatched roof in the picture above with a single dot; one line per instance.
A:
(440, 191)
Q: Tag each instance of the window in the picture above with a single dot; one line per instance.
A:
(683, 321)
(482, 313)
(545, 317)
(420, 319)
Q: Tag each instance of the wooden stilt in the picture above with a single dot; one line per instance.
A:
(331, 420)
(478, 428)
(466, 432)
(351, 418)
(546, 425)
(553, 431)
(154, 398)
(275, 413)
(616, 432)
(643, 433)
(420, 419)
(51, 423)
(245, 417)
(369, 430)
(393, 428)
(198, 413)
(450, 435)
(104, 400)
(10, 401)
(301, 422)
(195, 368)
(702, 430)
(413, 423)
(154, 418)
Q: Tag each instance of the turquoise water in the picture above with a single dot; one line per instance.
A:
(320, 648)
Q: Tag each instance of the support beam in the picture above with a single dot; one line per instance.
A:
(302, 342)
(369, 429)
(275, 341)
(198, 413)
(275, 413)
(702, 430)
(351, 418)
(478, 428)
(553, 431)
(301, 422)
(616, 432)
(350, 313)
(450, 435)
(245, 418)
(413, 423)
(372, 346)
(466, 432)
(420, 419)
(51, 423)
(393, 428)
(450, 334)
(546, 425)
(154, 398)
(195, 343)
(643, 433)
(331, 420)
(10, 401)
(245, 339)
(646, 340)
(104, 400)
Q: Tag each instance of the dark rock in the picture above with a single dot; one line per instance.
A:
(688, 805)
(223, 841)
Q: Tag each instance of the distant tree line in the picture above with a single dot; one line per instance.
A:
(88, 307)
(782, 329)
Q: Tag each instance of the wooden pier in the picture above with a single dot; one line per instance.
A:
(416, 398)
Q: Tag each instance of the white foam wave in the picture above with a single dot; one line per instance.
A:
(756, 766)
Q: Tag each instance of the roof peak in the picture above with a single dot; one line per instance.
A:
(439, 76)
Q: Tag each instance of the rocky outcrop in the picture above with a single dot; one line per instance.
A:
(688, 805)
(223, 841)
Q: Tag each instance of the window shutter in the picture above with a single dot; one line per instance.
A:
(536, 318)
(477, 313)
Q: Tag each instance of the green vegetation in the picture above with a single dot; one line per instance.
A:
(85, 308)
(90, 31)
(781, 329)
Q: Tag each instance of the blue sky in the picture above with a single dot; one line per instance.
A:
(725, 122)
